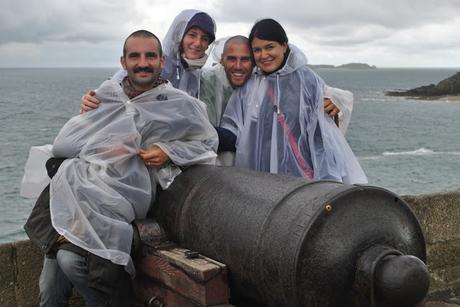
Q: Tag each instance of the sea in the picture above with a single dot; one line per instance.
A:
(407, 146)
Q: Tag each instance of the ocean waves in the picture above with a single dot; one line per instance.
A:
(418, 152)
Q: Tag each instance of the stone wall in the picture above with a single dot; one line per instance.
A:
(438, 214)
(20, 266)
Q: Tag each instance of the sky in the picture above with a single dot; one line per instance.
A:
(90, 33)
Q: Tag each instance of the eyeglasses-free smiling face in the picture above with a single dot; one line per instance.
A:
(142, 61)
(237, 63)
(194, 43)
(268, 55)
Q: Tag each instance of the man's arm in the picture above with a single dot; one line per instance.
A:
(89, 102)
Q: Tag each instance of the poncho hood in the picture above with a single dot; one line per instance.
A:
(182, 78)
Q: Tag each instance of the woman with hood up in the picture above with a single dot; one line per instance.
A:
(184, 47)
(278, 116)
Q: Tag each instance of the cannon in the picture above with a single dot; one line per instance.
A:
(293, 242)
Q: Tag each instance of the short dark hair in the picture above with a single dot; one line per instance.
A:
(143, 34)
(268, 29)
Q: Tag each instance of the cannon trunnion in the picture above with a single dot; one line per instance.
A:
(292, 242)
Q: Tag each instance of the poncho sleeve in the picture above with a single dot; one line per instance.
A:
(332, 156)
(344, 101)
(187, 137)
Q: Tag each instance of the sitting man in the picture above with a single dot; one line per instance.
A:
(141, 135)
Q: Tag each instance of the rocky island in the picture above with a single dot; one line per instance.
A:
(345, 66)
(448, 88)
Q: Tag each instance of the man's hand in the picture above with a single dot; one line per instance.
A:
(89, 102)
(330, 108)
(154, 157)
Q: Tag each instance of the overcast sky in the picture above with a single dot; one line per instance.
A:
(88, 33)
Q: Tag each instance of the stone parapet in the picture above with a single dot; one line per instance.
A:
(438, 214)
(439, 217)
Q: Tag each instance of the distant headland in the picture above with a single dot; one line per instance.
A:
(345, 66)
(448, 88)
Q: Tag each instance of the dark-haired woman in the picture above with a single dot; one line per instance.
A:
(278, 116)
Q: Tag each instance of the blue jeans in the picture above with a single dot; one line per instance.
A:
(62, 273)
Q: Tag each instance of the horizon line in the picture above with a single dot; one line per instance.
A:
(335, 67)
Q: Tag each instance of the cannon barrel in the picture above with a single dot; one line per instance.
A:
(292, 242)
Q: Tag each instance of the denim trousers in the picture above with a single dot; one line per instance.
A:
(62, 272)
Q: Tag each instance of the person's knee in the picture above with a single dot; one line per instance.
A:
(72, 264)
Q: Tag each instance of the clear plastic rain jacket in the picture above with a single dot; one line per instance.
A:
(215, 92)
(281, 126)
(342, 100)
(104, 186)
(186, 79)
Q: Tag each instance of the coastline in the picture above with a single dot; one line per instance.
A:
(444, 98)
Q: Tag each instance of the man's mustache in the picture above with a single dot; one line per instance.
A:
(145, 69)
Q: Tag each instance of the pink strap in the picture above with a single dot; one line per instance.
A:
(308, 172)
(294, 146)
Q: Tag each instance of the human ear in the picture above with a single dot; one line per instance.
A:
(123, 62)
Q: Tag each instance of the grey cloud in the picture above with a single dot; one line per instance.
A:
(390, 13)
(338, 22)
(55, 20)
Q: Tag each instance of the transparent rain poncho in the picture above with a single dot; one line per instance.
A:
(344, 101)
(215, 92)
(186, 79)
(281, 126)
(105, 185)
(215, 51)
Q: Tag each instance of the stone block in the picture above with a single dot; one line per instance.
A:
(29, 262)
(438, 214)
(7, 275)
(443, 254)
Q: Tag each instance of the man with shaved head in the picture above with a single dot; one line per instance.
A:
(218, 83)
